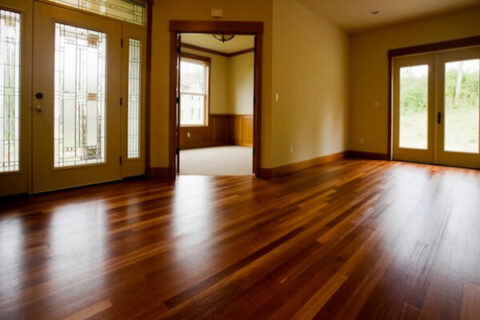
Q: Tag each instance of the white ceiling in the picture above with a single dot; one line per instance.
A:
(354, 15)
(208, 41)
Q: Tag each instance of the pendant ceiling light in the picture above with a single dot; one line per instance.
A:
(224, 37)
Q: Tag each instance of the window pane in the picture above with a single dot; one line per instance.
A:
(80, 60)
(462, 106)
(125, 10)
(193, 109)
(414, 107)
(134, 99)
(192, 77)
(193, 90)
(9, 90)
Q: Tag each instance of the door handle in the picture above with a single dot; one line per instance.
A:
(439, 117)
(38, 108)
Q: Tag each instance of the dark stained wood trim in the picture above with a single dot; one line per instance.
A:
(202, 49)
(235, 27)
(219, 53)
(172, 109)
(437, 46)
(209, 26)
(429, 47)
(237, 53)
(148, 87)
(269, 173)
(366, 155)
(390, 109)
(195, 57)
(257, 106)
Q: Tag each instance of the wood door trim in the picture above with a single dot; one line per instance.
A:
(234, 27)
(436, 46)
(218, 53)
(240, 52)
(208, 26)
(148, 85)
(202, 49)
(196, 57)
(429, 47)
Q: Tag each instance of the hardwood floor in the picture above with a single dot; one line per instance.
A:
(352, 239)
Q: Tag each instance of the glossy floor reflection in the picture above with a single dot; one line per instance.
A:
(352, 239)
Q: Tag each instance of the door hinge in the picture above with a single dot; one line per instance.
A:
(178, 151)
(439, 117)
(254, 101)
(121, 43)
(121, 101)
(120, 160)
(254, 151)
(178, 99)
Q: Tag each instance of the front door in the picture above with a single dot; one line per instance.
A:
(76, 101)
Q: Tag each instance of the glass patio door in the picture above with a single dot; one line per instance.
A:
(76, 98)
(436, 116)
(414, 106)
(458, 115)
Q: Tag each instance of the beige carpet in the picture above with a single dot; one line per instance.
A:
(217, 161)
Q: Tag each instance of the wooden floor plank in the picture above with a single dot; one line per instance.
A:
(471, 301)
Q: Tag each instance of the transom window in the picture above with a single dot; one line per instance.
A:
(194, 91)
(125, 10)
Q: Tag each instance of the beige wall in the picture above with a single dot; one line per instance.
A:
(240, 83)
(219, 80)
(310, 73)
(166, 10)
(369, 70)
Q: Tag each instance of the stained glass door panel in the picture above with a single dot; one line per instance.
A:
(80, 73)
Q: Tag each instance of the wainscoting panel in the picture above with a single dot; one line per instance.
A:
(243, 130)
(222, 129)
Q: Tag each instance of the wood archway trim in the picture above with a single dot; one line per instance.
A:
(231, 27)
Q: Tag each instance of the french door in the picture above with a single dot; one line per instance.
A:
(458, 108)
(436, 108)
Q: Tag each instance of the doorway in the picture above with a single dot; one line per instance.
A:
(436, 102)
(216, 105)
(84, 94)
(208, 29)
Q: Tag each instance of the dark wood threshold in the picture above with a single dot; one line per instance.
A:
(161, 173)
